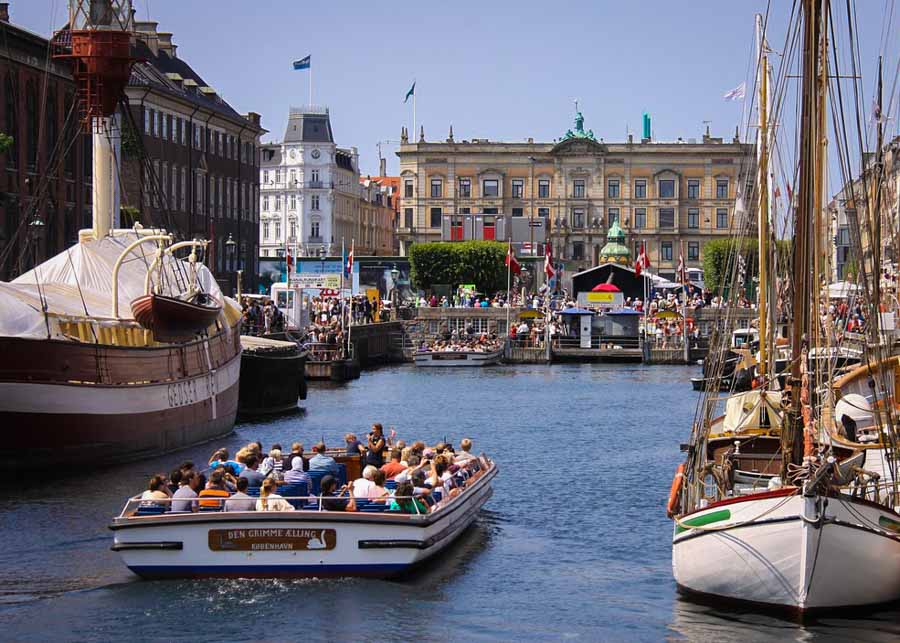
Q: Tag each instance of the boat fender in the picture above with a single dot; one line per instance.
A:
(675, 491)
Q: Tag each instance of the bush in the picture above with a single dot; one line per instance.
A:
(715, 260)
(6, 142)
(468, 262)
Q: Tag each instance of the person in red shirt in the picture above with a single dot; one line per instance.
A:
(393, 467)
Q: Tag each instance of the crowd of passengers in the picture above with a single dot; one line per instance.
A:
(406, 478)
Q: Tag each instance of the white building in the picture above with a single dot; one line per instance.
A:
(309, 189)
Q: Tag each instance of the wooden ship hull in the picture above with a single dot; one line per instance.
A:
(70, 405)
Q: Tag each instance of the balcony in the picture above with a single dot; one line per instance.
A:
(313, 239)
(315, 185)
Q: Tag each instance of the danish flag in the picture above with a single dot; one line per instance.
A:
(642, 262)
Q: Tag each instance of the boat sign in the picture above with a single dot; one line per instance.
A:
(272, 539)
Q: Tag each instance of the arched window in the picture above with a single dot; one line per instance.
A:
(50, 128)
(31, 130)
(10, 92)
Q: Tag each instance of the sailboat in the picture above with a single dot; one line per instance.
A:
(117, 348)
(781, 516)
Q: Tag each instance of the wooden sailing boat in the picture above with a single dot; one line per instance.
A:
(802, 536)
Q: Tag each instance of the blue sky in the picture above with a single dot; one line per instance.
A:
(499, 70)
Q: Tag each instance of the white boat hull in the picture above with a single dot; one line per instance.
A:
(780, 551)
(457, 358)
(355, 544)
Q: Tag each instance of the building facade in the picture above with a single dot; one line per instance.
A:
(311, 198)
(45, 185)
(663, 195)
(375, 228)
(190, 161)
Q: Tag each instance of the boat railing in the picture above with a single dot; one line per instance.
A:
(323, 351)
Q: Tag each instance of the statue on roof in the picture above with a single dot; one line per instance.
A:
(579, 127)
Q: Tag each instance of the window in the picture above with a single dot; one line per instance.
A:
(667, 189)
(265, 203)
(148, 118)
(408, 189)
(612, 189)
(435, 221)
(314, 202)
(159, 124)
(152, 122)
(843, 236)
(518, 188)
(293, 230)
(163, 122)
(278, 231)
(578, 218)
(456, 228)
(693, 250)
(437, 188)
(665, 250)
(465, 211)
(666, 218)
(490, 188)
(578, 189)
(265, 177)
(314, 176)
(182, 131)
(544, 213)
(314, 230)
(693, 188)
(293, 202)
(184, 189)
(265, 227)
(640, 218)
(544, 189)
(578, 250)
(408, 218)
(465, 188)
(721, 188)
(517, 212)
(638, 245)
(277, 176)
(293, 177)
(693, 218)
(721, 218)
(640, 189)
(612, 216)
(196, 137)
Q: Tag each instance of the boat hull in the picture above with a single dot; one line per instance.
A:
(71, 406)
(788, 551)
(457, 359)
(358, 544)
(271, 381)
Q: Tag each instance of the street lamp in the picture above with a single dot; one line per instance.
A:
(395, 294)
(229, 252)
(36, 231)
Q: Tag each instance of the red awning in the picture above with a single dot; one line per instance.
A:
(605, 288)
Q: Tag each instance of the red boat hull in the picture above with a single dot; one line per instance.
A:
(172, 319)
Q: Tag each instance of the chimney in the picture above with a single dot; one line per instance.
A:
(146, 31)
(4, 12)
(253, 117)
(382, 167)
(165, 42)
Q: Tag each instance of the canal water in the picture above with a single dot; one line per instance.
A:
(575, 543)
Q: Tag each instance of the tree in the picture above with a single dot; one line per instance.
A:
(6, 142)
(716, 254)
(468, 262)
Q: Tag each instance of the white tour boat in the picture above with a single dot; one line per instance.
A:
(301, 543)
(458, 358)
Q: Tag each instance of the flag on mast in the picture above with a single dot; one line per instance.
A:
(411, 92)
(511, 262)
(736, 94)
(549, 270)
(348, 265)
(642, 262)
(290, 264)
(682, 269)
(303, 63)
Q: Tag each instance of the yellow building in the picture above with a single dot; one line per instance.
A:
(573, 189)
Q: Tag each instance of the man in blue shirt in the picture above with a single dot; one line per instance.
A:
(254, 477)
(322, 462)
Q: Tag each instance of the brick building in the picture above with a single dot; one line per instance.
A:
(45, 185)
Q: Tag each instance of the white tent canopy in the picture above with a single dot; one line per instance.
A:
(842, 290)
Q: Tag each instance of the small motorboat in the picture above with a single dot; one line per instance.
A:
(173, 319)
(458, 358)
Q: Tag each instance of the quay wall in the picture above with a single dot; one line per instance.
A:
(375, 344)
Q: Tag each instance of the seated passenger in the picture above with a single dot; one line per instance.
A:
(362, 486)
(297, 475)
(322, 462)
(239, 500)
(465, 456)
(185, 498)
(157, 489)
(174, 481)
(393, 467)
(220, 458)
(250, 473)
(215, 489)
(354, 446)
(377, 492)
(269, 500)
(272, 465)
(404, 502)
(296, 452)
(333, 501)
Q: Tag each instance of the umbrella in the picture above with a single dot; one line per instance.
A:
(605, 288)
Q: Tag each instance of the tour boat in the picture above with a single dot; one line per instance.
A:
(302, 543)
(458, 358)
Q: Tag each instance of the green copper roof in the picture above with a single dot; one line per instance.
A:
(579, 129)
(615, 250)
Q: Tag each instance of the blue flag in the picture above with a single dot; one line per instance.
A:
(303, 63)
(411, 92)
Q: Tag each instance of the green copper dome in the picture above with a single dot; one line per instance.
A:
(615, 250)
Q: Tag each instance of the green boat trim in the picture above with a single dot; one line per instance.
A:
(890, 525)
(705, 519)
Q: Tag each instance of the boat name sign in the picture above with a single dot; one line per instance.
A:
(271, 539)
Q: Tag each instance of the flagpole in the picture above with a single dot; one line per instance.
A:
(350, 318)
(310, 83)
(415, 133)
(508, 287)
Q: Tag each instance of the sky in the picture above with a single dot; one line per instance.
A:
(493, 69)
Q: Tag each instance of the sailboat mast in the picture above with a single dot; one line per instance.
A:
(792, 439)
(763, 217)
(877, 178)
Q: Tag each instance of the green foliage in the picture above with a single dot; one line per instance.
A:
(6, 142)
(128, 216)
(131, 145)
(467, 262)
(715, 259)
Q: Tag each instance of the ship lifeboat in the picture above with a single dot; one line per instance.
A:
(175, 320)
